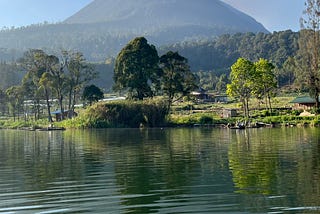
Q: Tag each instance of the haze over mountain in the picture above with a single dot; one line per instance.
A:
(103, 27)
(150, 14)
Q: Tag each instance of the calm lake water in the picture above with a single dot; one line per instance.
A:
(200, 170)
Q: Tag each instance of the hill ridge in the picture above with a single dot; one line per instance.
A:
(110, 24)
(164, 13)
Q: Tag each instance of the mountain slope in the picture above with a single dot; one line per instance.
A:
(151, 14)
(102, 28)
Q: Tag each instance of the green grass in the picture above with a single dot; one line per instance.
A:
(149, 113)
(18, 124)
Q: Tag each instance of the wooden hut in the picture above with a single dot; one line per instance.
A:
(303, 103)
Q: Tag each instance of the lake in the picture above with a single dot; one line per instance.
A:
(181, 170)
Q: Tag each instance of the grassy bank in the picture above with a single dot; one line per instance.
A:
(9, 123)
(152, 113)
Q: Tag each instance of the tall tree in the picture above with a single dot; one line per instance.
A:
(242, 79)
(33, 61)
(15, 98)
(309, 49)
(46, 85)
(136, 69)
(176, 78)
(78, 73)
(266, 83)
(59, 82)
(40, 77)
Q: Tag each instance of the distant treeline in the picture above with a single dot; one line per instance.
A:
(217, 56)
(96, 41)
(212, 57)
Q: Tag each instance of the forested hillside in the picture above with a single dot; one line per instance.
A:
(214, 57)
(102, 28)
(219, 54)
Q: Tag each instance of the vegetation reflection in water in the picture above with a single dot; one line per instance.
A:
(277, 167)
(160, 170)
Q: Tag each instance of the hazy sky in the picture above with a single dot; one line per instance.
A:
(26, 12)
(275, 15)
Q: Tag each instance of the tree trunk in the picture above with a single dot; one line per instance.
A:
(70, 100)
(269, 101)
(48, 105)
(247, 107)
(60, 100)
(73, 103)
(61, 107)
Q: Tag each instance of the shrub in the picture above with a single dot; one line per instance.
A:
(122, 114)
(205, 119)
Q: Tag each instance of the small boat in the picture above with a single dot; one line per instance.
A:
(52, 129)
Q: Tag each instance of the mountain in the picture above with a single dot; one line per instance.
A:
(154, 14)
(103, 27)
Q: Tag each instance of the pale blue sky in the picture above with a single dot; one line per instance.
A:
(275, 15)
(26, 12)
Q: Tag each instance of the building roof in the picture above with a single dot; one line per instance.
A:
(304, 99)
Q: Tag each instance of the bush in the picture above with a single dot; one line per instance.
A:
(205, 119)
(122, 114)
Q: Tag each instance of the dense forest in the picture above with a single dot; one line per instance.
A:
(215, 57)
(211, 59)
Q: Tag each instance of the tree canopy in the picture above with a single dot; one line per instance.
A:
(308, 56)
(252, 79)
(92, 94)
(266, 83)
(136, 69)
(242, 79)
(176, 77)
(49, 77)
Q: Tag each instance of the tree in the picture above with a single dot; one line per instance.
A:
(309, 49)
(176, 77)
(35, 63)
(45, 84)
(42, 78)
(78, 73)
(136, 69)
(266, 82)
(242, 78)
(15, 99)
(92, 94)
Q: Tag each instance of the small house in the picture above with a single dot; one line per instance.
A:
(200, 94)
(303, 103)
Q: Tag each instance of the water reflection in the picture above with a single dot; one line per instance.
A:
(160, 171)
(277, 168)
